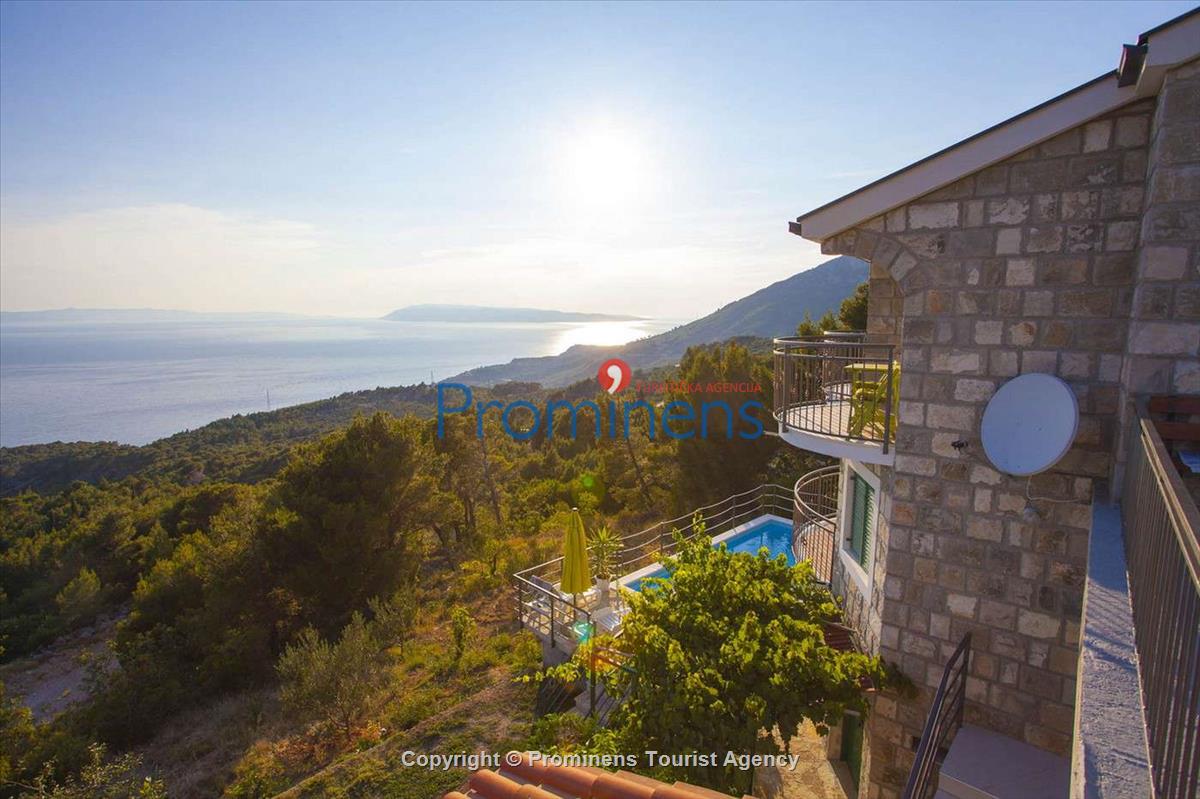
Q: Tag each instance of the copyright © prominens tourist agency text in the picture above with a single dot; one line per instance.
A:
(743, 761)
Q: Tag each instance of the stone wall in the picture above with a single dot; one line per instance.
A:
(1164, 339)
(1026, 266)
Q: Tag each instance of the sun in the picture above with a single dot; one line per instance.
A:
(604, 165)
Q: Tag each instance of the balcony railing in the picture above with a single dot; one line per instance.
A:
(837, 386)
(566, 619)
(1161, 521)
(814, 519)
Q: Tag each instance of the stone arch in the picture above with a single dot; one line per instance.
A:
(895, 273)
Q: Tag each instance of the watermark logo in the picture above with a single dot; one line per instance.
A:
(614, 375)
(673, 418)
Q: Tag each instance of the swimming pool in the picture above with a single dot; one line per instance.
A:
(770, 531)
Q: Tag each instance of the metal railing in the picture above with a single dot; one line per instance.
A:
(648, 546)
(814, 519)
(597, 693)
(1160, 522)
(610, 680)
(542, 607)
(837, 384)
(945, 717)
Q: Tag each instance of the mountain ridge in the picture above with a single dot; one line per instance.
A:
(774, 310)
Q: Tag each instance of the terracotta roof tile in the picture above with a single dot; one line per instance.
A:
(535, 780)
(611, 786)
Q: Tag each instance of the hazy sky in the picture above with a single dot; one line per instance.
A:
(350, 159)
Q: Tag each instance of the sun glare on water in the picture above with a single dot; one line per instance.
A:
(601, 334)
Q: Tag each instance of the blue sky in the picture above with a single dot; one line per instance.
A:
(350, 159)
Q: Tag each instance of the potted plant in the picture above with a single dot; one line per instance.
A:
(605, 547)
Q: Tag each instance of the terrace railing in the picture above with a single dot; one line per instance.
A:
(648, 546)
(564, 618)
(543, 608)
(606, 695)
(945, 717)
(839, 385)
(1161, 521)
(814, 519)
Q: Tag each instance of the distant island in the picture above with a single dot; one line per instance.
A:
(768, 312)
(487, 313)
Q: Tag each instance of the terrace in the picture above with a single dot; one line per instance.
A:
(768, 515)
(836, 394)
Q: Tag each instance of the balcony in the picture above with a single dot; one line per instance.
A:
(837, 394)
(1161, 534)
(814, 519)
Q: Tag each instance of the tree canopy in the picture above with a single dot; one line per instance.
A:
(349, 514)
(851, 316)
(728, 649)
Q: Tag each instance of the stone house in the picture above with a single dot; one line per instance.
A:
(1063, 241)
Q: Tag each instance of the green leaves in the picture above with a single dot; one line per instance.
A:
(730, 648)
(461, 628)
(356, 504)
(335, 682)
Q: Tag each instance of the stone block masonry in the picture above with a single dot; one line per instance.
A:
(1163, 343)
(1039, 263)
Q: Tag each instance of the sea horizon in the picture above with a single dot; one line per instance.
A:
(134, 380)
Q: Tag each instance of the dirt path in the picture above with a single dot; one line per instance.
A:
(815, 776)
(55, 677)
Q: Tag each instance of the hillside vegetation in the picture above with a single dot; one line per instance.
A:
(297, 607)
(379, 552)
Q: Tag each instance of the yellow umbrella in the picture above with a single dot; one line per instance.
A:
(576, 573)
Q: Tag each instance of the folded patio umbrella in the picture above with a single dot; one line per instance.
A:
(576, 573)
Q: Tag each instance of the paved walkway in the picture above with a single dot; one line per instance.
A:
(814, 778)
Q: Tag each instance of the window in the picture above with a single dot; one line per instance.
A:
(858, 512)
(862, 517)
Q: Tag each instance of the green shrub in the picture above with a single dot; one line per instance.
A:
(258, 775)
(103, 778)
(461, 627)
(731, 645)
(333, 682)
(80, 599)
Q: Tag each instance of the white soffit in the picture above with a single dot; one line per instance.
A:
(1174, 43)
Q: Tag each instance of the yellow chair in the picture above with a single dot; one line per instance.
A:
(868, 405)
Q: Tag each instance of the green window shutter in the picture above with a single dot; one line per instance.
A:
(862, 501)
(857, 508)
(864, 557)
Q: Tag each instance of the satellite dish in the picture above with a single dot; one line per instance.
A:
(1029, 424)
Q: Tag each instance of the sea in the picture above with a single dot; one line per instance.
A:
(134, 378)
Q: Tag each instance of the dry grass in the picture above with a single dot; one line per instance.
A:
(197, 750)
(485, 720)
(245, 745)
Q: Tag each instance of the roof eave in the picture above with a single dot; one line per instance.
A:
(980, 151)
(1173, 43)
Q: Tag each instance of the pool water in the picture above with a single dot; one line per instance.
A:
(773, 534)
